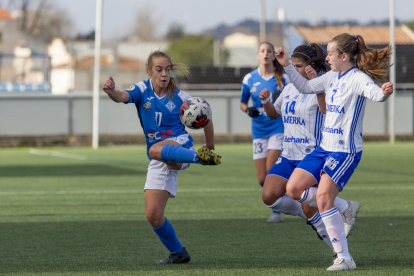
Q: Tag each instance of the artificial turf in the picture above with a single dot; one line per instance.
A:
(78, 211)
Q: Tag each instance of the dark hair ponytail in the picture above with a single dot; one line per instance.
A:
(372, 62)
(314, 56)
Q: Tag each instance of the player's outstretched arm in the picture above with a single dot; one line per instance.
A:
(265, 96)
(116, 95)
(209, 134)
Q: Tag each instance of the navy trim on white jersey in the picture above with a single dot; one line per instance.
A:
(357, 111)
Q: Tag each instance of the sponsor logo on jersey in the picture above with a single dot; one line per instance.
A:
(256, 83)
(331, 163)
(330, 85)
(333, 130)
(154, 136)
(170, 106)
(308, 150)
(254, 89)
(131, 88)
(341, 142)
(296, 140)
(150, 98)
(324, 236)
(293, 120)
(279, 160)
(304, 97)
(147, 105)
(370, 83)
(335, 108)
(297, 96)
(287, 97)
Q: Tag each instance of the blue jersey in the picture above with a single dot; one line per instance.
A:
(253, 84)
(159, 116)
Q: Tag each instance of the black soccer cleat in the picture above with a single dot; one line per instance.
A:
(313, 227)
(177, 258)
(207, 157)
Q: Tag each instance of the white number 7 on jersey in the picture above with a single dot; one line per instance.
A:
(158, 121)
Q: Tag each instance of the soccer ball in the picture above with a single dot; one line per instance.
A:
(195, 113)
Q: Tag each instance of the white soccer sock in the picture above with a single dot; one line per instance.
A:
(309, 197)
(335, 227)
(317, 222)
(341, 204)
(288, 206)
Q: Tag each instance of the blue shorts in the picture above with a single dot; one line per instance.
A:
(285, 167)
(338, 165)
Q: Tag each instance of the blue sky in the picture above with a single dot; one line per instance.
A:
(120, 15)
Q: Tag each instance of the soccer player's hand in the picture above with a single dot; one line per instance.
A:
(387, 88)
(252, 112)
(310, 72)
(210, 147)
(264, 94)
(109, 85)
(282, 57)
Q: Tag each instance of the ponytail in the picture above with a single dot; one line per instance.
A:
(372, 62)
(278, 74)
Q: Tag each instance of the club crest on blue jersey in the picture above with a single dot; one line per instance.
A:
(131, 88)
(170, 106)
(254, 89)
(147, 105)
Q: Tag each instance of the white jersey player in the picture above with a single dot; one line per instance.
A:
(302, 120)
(346, 89)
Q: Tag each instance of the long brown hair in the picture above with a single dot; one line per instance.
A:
(278, 67)
(178, 68)
(372, 62)
(313, 55)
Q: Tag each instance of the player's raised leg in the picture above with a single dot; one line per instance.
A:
(169, 150)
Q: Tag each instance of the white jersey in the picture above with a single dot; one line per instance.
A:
(302, 121)
(345, 105)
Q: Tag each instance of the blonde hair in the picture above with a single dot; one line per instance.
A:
(372, 62)
(179, 68)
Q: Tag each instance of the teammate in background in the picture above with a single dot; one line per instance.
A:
(169, 147)
(302, 119)
(267, 134)
(355, 69)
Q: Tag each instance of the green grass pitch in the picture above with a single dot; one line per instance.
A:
(76, 211)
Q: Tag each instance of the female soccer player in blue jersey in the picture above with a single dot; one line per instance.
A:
(169, 147)
(355, 69)
(267, 134)
(302, 119)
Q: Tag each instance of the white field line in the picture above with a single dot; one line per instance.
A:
(58, 154)
(218, 190)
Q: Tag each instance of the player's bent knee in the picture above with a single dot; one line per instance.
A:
(323, 200)
(155, 219)
(155, 152)
(293, 191)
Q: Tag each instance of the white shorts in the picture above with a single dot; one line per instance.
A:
(160, 176)
(262, 145)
